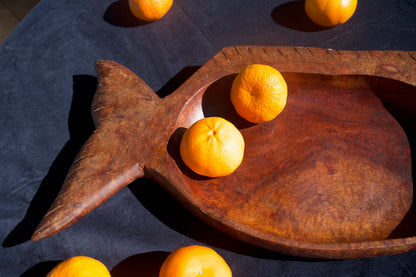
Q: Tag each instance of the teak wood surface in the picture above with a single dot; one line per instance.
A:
(330, 177)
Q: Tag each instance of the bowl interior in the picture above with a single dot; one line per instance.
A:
(334, 166)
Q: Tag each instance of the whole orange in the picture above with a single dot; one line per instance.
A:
(212, 147)
(80, 266)
(195, 260)
(329, 13)
(259, 93)
(149, 10)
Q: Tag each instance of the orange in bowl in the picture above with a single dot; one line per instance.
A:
(212, 147)
(195, 260)
(259, 93)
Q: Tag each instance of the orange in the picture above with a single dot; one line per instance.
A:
(149, 10)
(80, 266)
(193, 261)
(259, 93)
(329, 13)
(212, 147)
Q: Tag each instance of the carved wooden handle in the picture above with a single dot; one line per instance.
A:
(107, 162)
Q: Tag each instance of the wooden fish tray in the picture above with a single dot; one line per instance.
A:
(330, 177)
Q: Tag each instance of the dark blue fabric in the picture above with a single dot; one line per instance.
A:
(47, 81)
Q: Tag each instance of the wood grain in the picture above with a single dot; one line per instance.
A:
(331, 177)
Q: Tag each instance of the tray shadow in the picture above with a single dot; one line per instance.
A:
(81, 126)
(400, 100)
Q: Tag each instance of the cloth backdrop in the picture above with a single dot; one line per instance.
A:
(47, 81)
